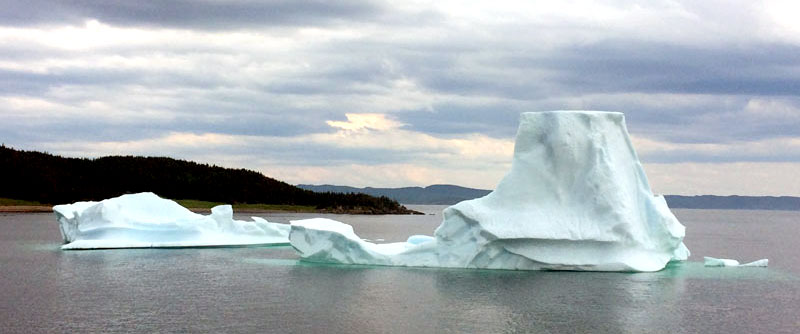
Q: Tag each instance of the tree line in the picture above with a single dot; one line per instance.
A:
(48, 178)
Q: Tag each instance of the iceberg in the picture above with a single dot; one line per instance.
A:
(576, 198)
(329, 241)
(715, 262)
(145, 220)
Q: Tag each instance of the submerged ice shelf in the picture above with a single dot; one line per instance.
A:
(146, 220)
(576, 198)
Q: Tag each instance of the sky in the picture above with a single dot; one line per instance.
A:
(406, 93)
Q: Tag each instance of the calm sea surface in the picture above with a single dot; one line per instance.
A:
(266, 290)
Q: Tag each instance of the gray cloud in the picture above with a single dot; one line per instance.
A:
(497, 120)
(203, 14)
(635, 66)
(613, 66)
(437, 73)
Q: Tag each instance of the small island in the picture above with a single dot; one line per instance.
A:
(34, 181)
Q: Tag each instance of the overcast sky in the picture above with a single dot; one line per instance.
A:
(403, 93)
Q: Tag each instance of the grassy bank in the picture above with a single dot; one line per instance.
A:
(19, 202)
(16, 205)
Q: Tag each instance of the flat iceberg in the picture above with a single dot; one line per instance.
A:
(146, 220)
(576, 198)
(715, 262)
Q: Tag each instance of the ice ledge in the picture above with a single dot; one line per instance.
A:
(715, 262)
(145, 220)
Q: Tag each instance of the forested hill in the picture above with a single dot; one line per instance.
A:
(46, 178)
(450, 194)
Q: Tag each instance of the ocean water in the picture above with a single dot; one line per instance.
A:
(266, 290)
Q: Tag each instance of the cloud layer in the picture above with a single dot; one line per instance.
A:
(406, 93)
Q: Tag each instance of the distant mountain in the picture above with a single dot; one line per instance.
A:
(734, 202)
(436, 194)
(451, 194)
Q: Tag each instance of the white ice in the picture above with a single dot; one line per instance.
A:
(330, 241)
(715, 262)
(146, 220)
(576, 198)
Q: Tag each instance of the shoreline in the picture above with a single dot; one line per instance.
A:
(25, 208)
(49, 209)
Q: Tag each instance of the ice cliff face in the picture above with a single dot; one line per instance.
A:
(146, 220)
(576, 198)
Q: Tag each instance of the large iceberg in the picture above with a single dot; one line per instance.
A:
(146, 220)
(576, 198)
